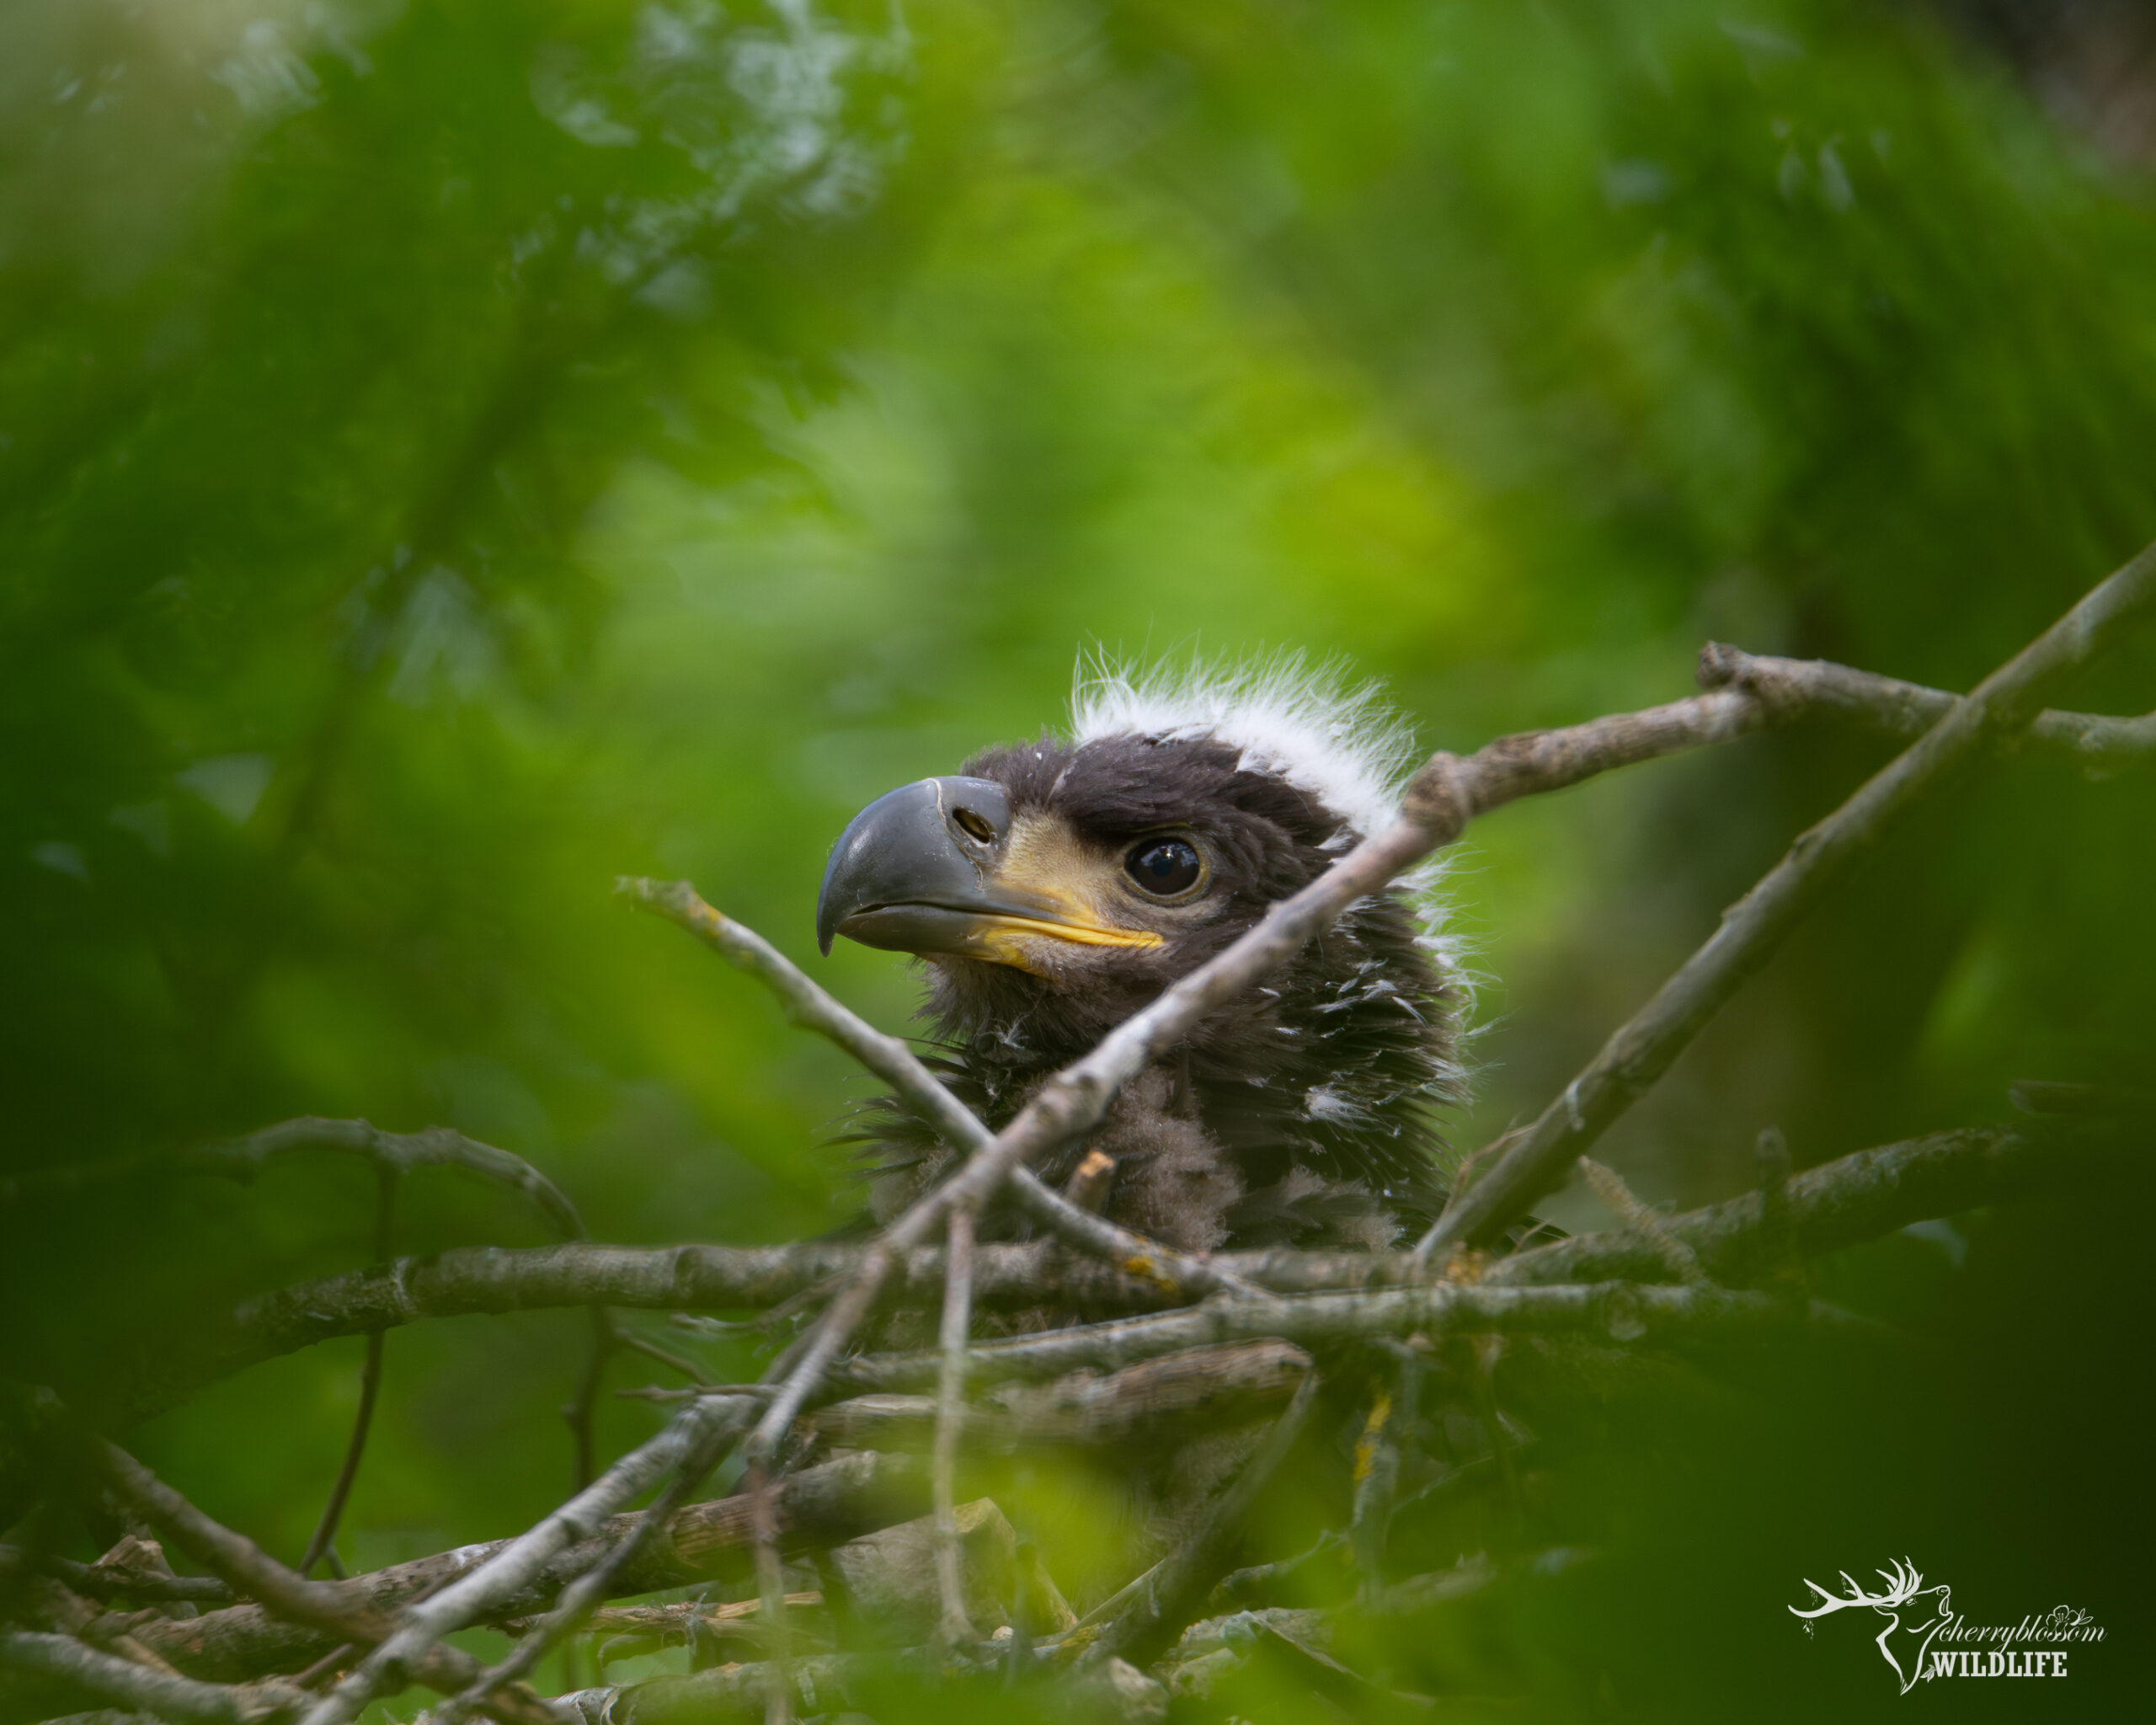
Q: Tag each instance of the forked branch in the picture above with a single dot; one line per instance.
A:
(1532, 1160)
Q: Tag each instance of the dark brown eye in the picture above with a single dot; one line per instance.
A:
(1165, 868)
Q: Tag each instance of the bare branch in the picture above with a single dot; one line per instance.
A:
(1641, 1050)
(501, 1577)
(1836, 1204)
(1199, 1386)
(487, 1278)
(953, 1628)
(678, 1622)
(1628, 1311)
(47, 1604)
(397, 1152)
(247, 1567)
(580, 1412)
(818, 1506)
(1151, 1620)
(325, 1531)
(770, 1589)
(1609, 1187)
(2093, 1102)
(138, 1686)
(731, 1691)
(105, 1715)
(107, 1580)
(584, 1596)
(1376, 1466)
(2100, 745)
(1858, 1196)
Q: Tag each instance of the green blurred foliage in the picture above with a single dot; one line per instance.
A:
(453, 453)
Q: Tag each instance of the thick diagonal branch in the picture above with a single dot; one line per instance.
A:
(1532, 1159)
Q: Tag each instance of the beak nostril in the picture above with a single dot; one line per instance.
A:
(974, 827)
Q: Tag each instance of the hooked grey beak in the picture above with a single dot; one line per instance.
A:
(910, 871)
(918, 871)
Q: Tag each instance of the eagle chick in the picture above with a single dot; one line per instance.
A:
(1054, 888)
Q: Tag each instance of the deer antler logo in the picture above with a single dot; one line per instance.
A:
(1927, 1609)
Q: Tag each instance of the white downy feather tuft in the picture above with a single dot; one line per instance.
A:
(1316, 726)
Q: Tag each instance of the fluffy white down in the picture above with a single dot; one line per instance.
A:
(1317, 728)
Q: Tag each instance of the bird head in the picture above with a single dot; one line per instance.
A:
(1056, 886)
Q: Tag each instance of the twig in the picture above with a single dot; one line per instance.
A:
(822, 1505)
(1486, 1351)
(832, 1682)
(770, 1589)
(1088, 1185)
(2093, 1101)
(812, 1008)
(486, 1278)
(2099, 744)
(628, 1338)
(1641, 1051)
(399, 1152)
(1842, 1203)
(50, 1604)
(335, 1660)
(333, 1511)
(1609, 1187)
(1781, 1265)
(473, 1595)
(246, 1567)
(669, 1623)
(107, 1581)
(1393, 1412)
(954, 1628)
(1178, 1392)
(1630, 1311)
(1151, 1620)
(585, 1595)
(158, 1692)
(1248, 1584)
(579, 1413)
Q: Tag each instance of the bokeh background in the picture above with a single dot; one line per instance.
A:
(453, 453)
